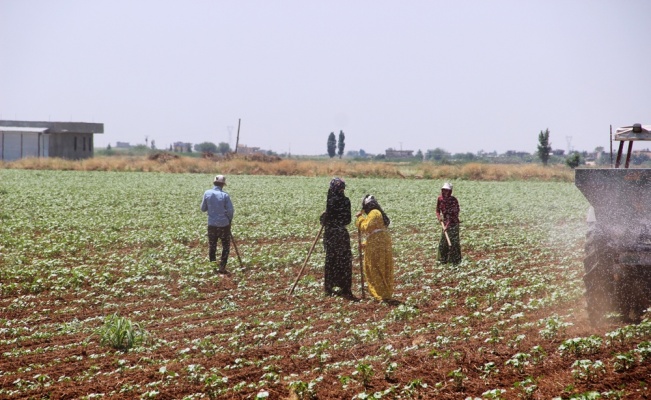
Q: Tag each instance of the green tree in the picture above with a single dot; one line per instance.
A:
(573, 160)
(332, 145)
(224, 148)
(341, 144)
(544, 146)
(465, 157)
(206, 147)
(438, 154)
(139, 149)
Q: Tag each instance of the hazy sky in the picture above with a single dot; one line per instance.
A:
(460, 75)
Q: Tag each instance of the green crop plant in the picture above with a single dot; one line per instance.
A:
(389, 370)
(413, 387)
(457, 378)
(305, 390)
(519, 361)
(644, 351)
(623, 361)
(493, 394)
(526, 387)
(581, 346)
(489, 369)
(588, 370)
(538, 354)
(364, 373)
(120, 333)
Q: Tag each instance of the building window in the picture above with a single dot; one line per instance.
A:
(90, 143)
(75, 144)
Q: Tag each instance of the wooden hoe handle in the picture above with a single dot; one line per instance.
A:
(316, 239)
(446, 234)
(361, 259)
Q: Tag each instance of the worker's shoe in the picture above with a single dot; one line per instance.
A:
(220, 270)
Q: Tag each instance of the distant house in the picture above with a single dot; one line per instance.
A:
(244, 149)
(122, 145)
(391, 153)
(181, 147)
(642, 153)
(71, 140)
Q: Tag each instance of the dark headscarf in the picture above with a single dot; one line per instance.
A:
(337, 185)
(369, 203)
(337, 206)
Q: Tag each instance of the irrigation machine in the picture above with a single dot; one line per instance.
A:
(618, 242)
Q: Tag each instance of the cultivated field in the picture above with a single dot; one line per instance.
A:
(106, 292)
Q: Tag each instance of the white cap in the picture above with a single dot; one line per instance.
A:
(368, 199)
(447, 186)
(220, 179)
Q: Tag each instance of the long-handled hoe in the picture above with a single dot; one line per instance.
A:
(446, 234)
(316, 239)
(361, 259)
(237, 251)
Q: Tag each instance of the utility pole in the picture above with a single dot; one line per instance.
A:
(611, 146)
(237, 143)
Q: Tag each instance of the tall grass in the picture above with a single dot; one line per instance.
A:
(344, 168)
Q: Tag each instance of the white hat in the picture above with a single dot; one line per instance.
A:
(220, 179)
(447, 186)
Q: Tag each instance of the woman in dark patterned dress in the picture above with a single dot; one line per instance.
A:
(336, 241)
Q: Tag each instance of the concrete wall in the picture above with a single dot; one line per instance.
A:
(71, 145)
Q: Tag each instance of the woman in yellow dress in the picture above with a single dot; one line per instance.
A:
(373, 222)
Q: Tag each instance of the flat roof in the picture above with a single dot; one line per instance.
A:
(57, 127)
(21, 129)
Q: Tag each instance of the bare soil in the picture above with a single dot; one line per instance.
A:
(180, 319)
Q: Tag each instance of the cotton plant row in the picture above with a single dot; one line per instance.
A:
(135, 252)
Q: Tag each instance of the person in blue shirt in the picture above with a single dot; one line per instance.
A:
(219, 207)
